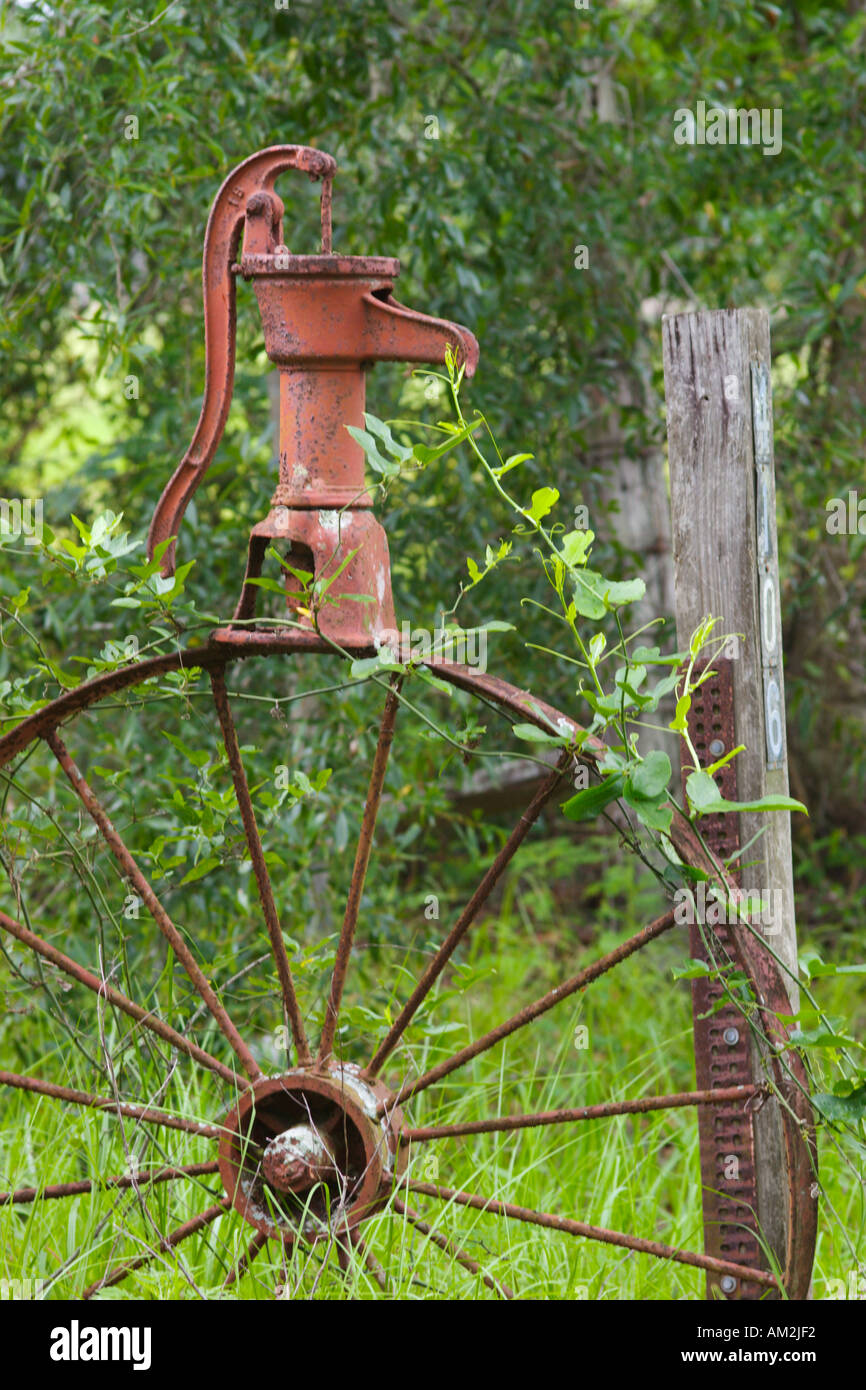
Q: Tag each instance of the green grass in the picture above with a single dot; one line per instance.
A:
(563, 902)
(632, 1174)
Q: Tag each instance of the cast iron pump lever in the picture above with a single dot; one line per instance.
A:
(325, 318)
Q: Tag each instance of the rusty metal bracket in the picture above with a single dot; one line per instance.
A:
(723, 1055)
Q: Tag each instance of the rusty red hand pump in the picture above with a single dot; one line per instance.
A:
(325, 319)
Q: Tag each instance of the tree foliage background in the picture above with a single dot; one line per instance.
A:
(100, 244)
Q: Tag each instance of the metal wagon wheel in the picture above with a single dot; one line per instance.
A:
(312, 1154)
(328, 1148)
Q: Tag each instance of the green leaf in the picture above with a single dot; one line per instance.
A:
(369, 665)
(706, 798)
(646, 791)
(595, 595)
(423, 674)
(822, 1036)
(679, 723)
(652, 814)
(199, 871)
(587, 594)
(626, 591)
(425, 453)
(574, 546)
(845, 1109)
(197, 756)
(720, 762)
(700, 635)
(543, 500)
(371, 450)
(272, 586)
(809, 960)
(702, 791)
(322, 585)
(605, 706)
(662, 687)
(589, 803)
(695, 970)
(365, 667)
(813, 966)
(651, 656)
(378, 427)
(652, 775)
(64, 678)
(512, 462)
(303, 576)
(530, 734)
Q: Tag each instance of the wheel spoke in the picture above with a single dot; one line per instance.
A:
(541, 1006)
(257, 1243)
(362, 859)
(157, 911)
(372, 1264)
(358, 1244)
(76, 1189)
(83, 696)
(189, 1228)
(115, 997)
(579, 1228)
(266, 895)
(444, 1243)
(468, 915)
(585, 1112)
(143, 1248)
(131, 1111)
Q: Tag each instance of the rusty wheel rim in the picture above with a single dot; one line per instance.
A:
(340, 1130)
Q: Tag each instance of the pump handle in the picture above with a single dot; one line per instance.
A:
(255, 175)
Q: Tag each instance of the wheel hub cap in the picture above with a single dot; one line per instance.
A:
(305, 1154)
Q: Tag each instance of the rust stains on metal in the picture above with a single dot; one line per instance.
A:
(580, 1228)
(189, 1228)
(359, 871)
(736, 1095)
(115, 997)
(130, 868)
(296, 1159)
(449, 1247)
(305, 1155)
(785, 1065)
(26, 1195)
(468, 915)
(326, 319)
(254, 177)
(540, 1006)
(257, 856)
(145, 1113)
(257, 1243)
(723, 1055)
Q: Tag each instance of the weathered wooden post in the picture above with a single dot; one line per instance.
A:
(720, 436)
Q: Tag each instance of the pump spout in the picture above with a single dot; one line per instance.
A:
(393, 333)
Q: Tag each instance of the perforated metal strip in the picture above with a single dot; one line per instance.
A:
(722, 1045)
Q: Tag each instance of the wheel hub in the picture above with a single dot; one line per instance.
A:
(296, 1159)
(305, 1155)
